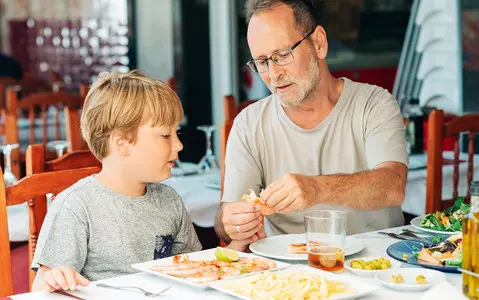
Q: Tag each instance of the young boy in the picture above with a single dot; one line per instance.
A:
(102, 224)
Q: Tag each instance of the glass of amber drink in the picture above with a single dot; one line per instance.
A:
(325, 239)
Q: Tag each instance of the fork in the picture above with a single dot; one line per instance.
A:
(146, 293)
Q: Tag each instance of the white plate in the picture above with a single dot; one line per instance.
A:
(416, 223)
(347, 264)
(362, 288)
(200, 255)
(277, 246)
(409, 274)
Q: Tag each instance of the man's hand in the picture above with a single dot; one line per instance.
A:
(61, 278)
(291, 192)
(243, 245)
(241, 220)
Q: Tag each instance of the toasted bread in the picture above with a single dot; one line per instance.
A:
(297, 248)
(252, 198)
(300, 248)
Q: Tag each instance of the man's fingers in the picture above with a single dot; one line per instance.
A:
(276, 198)
(240, 208)
(270, 190)
(245, 234)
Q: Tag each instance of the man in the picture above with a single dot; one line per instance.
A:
(317, 142)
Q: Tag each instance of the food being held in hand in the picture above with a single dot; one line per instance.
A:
(448, 220)
(203, 271)
(301, 248)
(371, 265)
(421, 279)
(397, 278)
(252, 198)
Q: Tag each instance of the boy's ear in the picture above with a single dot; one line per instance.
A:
(119, 144)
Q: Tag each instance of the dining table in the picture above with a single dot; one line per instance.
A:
(375, 245)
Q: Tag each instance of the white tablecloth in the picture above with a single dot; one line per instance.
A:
(415, 198)
(199, 192)
(375, 246)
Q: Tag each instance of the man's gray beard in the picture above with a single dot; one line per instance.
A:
(312, 84)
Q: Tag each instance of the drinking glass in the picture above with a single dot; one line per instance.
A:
(8, 177)
(325, 239)
(208, 162)
(59, 146)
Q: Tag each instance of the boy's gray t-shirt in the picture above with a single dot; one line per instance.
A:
(364, 129)
(100, 233)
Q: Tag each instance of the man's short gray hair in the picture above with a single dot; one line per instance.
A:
(303, 11)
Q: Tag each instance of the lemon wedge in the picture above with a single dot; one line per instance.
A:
(225, 255)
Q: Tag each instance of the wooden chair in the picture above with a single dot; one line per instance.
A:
(437, 131)
(71, 105)
(28, 190)
(231, 109)
(36, 163)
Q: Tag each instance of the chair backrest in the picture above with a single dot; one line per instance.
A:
(437, 131)
(41, 101)
(36, 163)
(28, 190)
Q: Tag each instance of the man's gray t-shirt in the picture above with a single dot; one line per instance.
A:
(364, 129)
(100, 233)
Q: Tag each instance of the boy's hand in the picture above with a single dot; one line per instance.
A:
(64, 278)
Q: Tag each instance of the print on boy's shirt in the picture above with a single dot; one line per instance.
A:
(163, 246)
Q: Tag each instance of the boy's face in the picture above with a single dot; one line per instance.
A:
(151, 158)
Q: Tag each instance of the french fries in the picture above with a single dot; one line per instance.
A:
(286, 286)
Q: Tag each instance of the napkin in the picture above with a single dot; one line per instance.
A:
(443, 290)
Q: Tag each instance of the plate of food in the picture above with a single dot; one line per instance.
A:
(368, 266)
(448, 221)
(410, 279)
(293, 247)
(198, 269)
(295, 282)
(445, 256)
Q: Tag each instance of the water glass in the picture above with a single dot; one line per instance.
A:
(325, 239)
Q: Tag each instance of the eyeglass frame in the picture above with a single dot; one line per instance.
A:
(251, 63)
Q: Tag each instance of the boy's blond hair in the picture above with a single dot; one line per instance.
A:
(122, 102)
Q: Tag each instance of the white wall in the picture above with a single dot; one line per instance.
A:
(155, 37)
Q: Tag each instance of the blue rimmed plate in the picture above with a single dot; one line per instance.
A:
(397, 251)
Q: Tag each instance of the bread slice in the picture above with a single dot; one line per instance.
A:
(297, 248)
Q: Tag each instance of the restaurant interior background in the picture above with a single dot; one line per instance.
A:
(203, 45)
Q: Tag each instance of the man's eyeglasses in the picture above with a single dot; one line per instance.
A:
(280, 58)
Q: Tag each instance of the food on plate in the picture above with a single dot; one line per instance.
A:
(374, 264)
(202, 271)
(397, 278)
(447, 253)
(405, 256)
(293, 285)
(300, 248)
(226, 255)
(448, 220)
(252, 198)
(420, 279)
